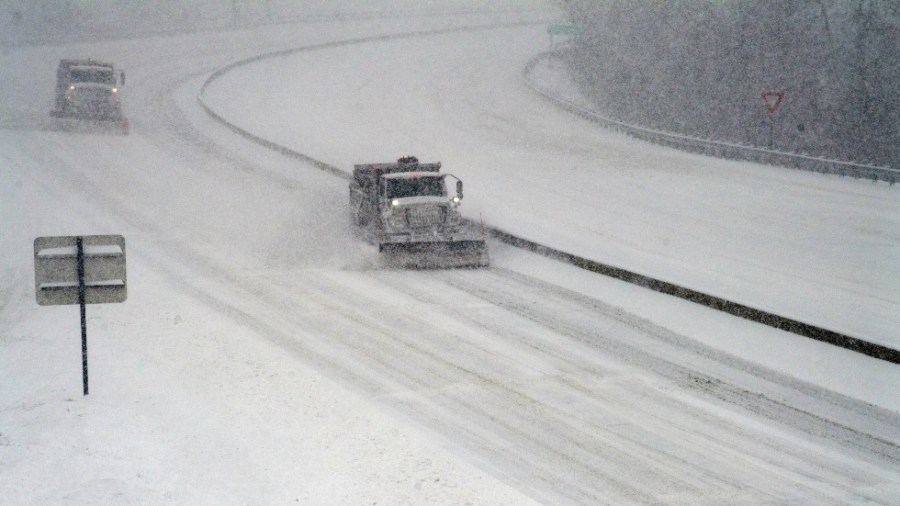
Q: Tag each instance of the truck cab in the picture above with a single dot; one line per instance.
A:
(417, 203)
(88, 90)
(406, 207)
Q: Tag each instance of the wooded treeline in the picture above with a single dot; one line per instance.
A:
(699, 67)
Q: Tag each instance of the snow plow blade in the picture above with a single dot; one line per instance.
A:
(74, 123)
(436, 255)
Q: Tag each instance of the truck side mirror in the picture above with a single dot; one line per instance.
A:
(459, 189)
(122, 78)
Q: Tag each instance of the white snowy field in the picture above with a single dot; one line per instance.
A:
(263, 358)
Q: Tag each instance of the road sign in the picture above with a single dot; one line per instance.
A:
(563, 30)
(56, 270)
(772, 99)
(80, 270)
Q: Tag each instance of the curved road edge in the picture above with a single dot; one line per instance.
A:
(731, 307)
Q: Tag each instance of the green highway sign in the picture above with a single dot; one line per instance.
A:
(564, 30)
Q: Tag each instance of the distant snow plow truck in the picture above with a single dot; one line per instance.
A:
(405, 208)
(89, 91)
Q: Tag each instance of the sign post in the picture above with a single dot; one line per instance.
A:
(79, 245)
(560, 29)
(80, 270)
(772, 99)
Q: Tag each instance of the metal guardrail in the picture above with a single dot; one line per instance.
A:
(715, 148)
(711, 301)
(734, 308)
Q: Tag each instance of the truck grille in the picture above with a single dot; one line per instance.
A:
(425, 216)
(93, 96)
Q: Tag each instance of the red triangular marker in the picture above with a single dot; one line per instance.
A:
(772, 99)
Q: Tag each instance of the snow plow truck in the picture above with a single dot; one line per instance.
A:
(404, 207)
(90, 91)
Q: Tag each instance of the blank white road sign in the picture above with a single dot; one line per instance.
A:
(56, 269)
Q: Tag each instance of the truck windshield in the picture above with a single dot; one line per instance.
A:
(92, 75)
(416, 187)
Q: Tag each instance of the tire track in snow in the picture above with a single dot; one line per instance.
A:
(377, 312)
(674, 356)
(832, 433)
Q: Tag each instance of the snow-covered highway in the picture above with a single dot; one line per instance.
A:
(263, 358)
